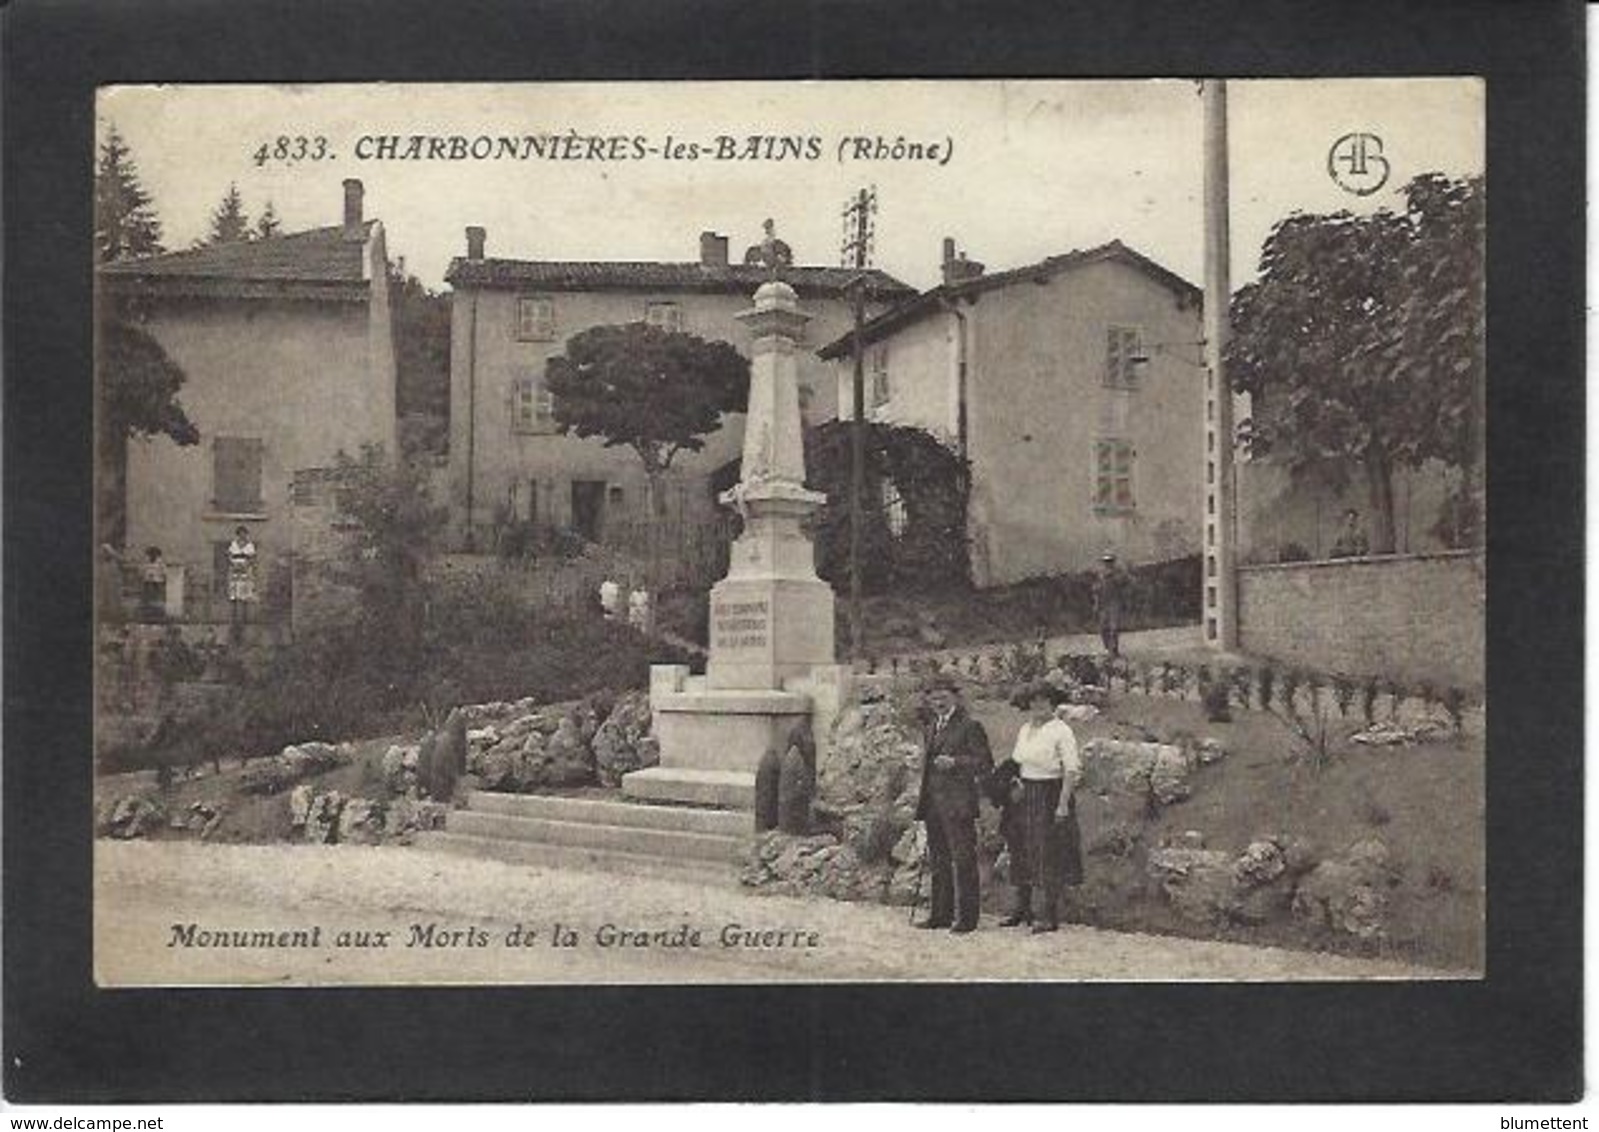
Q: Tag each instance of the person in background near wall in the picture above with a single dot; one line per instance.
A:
(241, 578)
(638, 609)
(955, 760)
(610, 599)
(1351, 541)
(152, 586)
(1049, 768)
(1110, 600)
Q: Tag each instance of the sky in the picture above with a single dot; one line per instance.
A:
(1035, 168)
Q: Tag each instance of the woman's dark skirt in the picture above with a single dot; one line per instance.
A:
(1052, 851)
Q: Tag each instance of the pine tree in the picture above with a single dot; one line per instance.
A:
(268, 225)
(229, 224)
(125, 222)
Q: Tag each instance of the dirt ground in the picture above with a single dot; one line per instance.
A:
(148, 893)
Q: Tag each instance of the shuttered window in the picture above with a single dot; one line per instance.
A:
(532, 406)
(1113, 477)
(236, 474)
(1123, 351)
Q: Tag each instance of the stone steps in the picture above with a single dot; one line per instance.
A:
(566, 832)
(599, 811)
(577, 857)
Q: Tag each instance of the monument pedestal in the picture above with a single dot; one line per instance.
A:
(711, 739)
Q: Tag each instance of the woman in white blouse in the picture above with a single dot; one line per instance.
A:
(1049, 769)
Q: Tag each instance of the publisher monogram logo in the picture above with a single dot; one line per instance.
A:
(1356, 164)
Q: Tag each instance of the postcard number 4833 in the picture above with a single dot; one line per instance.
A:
(291, 149)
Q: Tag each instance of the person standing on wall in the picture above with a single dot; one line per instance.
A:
(241, 579)
(1110, 602)
(956, 760)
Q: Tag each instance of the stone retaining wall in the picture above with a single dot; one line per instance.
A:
(1411, 617)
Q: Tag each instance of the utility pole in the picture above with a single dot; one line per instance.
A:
(859, 216)
(1220, 595)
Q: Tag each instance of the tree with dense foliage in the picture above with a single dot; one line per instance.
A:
(422, 359)
(138, 396)
(229, 223)
(399, 526)
(658, 392)
(1362, 343)
(125, 222)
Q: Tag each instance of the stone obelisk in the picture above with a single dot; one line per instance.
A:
(771, 619)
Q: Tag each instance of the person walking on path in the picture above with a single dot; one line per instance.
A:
(1110, 601)
(1048, 769)
(956, 759)
(241, 579)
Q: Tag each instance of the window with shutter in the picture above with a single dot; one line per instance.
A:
(532, 406)
(535, 318)
(882, 391)
(1113, 477)
(236, 474)
(1123, 349)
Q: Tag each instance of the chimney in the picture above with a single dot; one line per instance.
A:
(957, 268)
(354, 228)
(713, 250)
(474, 242)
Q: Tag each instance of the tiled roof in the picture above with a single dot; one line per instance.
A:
(321, 255)
(593, 275)
(929, 301)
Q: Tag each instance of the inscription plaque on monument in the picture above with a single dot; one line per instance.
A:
(741, 625)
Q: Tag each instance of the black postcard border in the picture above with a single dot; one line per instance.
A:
(1514, 1036)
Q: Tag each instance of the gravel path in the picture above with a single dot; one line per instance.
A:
(147, 893)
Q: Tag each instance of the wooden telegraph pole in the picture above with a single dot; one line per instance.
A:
(859, 215)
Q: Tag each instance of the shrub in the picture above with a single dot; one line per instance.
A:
(1217, 702)
(1243, 682)
(1265, 686)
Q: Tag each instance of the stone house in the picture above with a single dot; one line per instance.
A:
(287, 346)
(510, 316)
(1074, 386)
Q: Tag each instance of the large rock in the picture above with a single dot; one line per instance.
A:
(1348, 895)
(293, 764)
(131, 816)
(1261, 863)
(872, 762)
(360, 822)
(401, 765)
(322, 819)
(562, 759)
(299, 806)
(623, 743)
(1158, 772)
(811, 866)
(1198, 882)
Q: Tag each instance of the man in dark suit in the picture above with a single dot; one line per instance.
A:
(955, 762)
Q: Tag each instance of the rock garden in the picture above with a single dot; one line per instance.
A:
(1294, 825)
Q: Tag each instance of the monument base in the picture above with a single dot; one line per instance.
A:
(711, 739)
